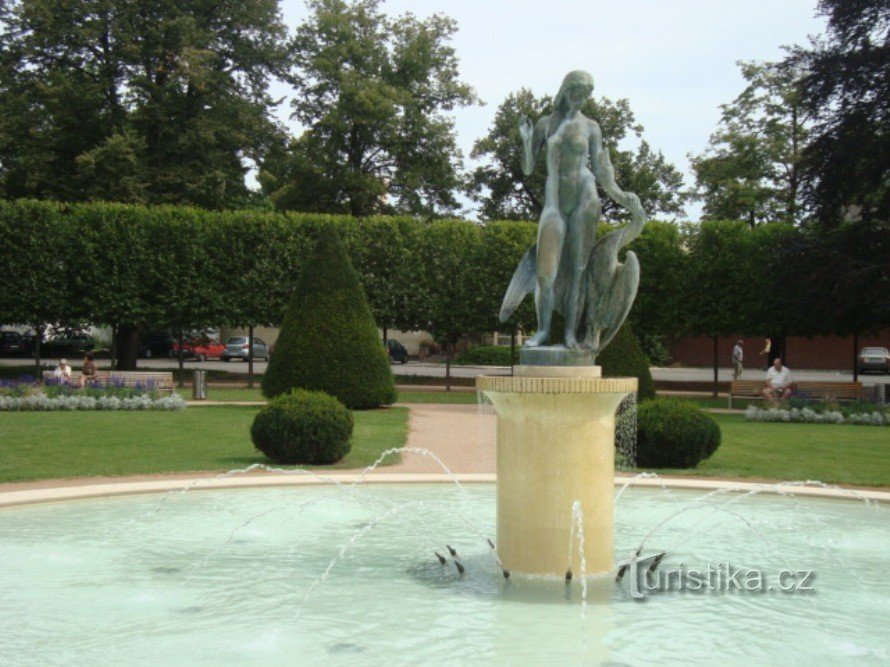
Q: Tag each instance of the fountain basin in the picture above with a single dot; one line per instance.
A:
(232, 577)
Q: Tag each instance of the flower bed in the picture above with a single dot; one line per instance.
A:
(25, 394)
(815, 415)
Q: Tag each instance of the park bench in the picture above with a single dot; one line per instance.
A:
(160, 380)
(842, 391)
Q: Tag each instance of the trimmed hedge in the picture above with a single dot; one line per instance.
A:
(624, 357)
(303, 427)
(674, 434)
(328, 341)
(487, 355)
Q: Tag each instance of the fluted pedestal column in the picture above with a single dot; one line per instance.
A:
(555, 446)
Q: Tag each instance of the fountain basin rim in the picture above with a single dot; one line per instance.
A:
(83, 491)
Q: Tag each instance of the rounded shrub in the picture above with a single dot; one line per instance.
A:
(624, 357)
(328, 339)
(674, 434)
(303, 427)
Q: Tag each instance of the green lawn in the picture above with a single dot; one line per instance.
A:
(244, 394)
(42, 445)
(832, 453)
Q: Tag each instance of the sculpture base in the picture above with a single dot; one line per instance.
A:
(555, 446)
(555, 355)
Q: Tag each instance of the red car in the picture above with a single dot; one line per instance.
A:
(200, 350)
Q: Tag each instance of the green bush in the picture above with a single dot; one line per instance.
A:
(674, 434)
(303, 427)
(328, 341)
(624, 357)
(487, 355)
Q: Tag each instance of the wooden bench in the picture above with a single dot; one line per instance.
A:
(160, 380)
(842, 391)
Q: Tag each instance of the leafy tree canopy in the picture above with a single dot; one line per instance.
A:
(751, 168)
(505, 193)
(373, 93)
(846, 84)
(137, 102)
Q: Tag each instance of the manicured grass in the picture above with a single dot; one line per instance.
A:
(43, 445)
(831, 453)
(244, 394)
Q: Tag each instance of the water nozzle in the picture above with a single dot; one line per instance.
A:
(569, 576)
(621, 571)
(452, 551)
(441, 558)
(460, 568)
(490, 543)
(655, 562)
(506, 573)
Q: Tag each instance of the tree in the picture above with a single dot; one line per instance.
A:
(751, 169)
(328, 340)
(506, 193)
(846, 84)
(373, 93)
(122, 100)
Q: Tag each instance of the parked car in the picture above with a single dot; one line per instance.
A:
(68, 344)
(200, 350)
(237, 348)
(155, 344)
(397, 351)
(874, 359)
(14, 344)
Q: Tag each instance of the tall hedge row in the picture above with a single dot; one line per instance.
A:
(118, 264)
(184, 267)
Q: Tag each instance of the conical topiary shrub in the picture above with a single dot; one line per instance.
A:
(328, 340)
(624, 357)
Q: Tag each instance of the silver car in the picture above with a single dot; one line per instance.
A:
(237, 348)
(874, 359)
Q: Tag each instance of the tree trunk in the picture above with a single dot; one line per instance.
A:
(448, 348)
(250, 357)
(181, 358)
(385, 336)
(512, 349)
(716, 369)
(127, 346)
(855, 356)
(38, 334)
(113, 347)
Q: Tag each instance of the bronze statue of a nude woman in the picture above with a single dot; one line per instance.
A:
(569, 269)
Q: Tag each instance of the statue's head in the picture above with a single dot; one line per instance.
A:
(575, 90)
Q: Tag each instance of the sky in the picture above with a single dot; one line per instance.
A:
(674, 60)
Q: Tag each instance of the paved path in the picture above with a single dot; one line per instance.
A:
(462, 436)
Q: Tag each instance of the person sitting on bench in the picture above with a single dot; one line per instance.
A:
(778, 383)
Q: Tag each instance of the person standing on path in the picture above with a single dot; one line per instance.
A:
(738, 355)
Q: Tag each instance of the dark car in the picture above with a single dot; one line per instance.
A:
(397, 351)
(14, 344)
(68, 344)
(155, 344)
(874, 359)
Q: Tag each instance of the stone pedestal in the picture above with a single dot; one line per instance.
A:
(555, 446)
